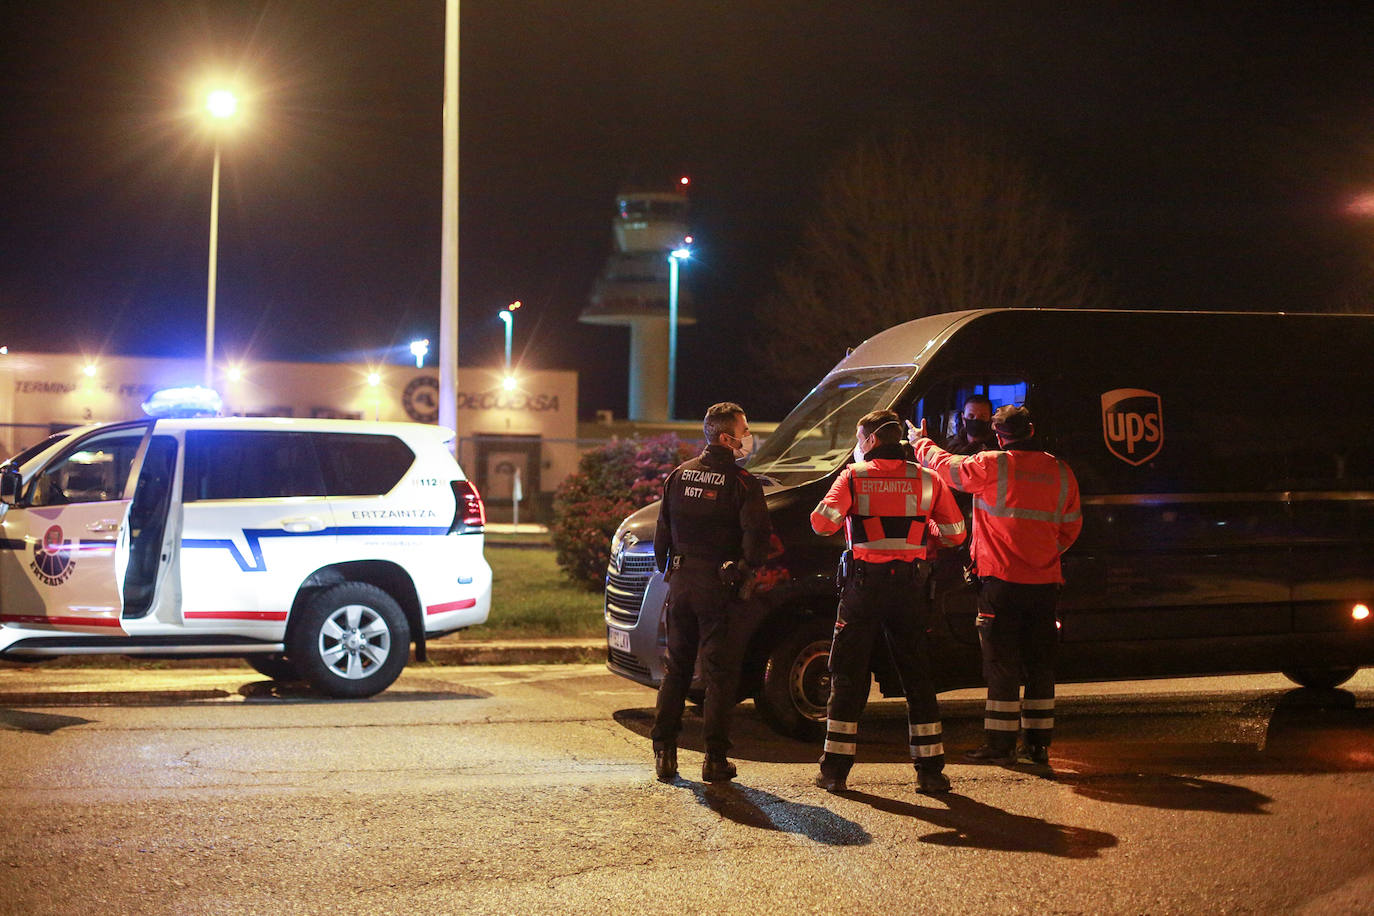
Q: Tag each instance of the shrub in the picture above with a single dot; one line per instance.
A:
(610, 482)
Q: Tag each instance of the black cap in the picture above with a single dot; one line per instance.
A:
(1011, 422)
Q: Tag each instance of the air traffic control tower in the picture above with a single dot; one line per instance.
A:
(633, 290)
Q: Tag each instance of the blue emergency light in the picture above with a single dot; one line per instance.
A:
(193, 401)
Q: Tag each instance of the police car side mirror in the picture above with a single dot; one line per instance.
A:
(10, 484)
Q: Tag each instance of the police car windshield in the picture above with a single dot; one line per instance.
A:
(23, 457)
(818, 434)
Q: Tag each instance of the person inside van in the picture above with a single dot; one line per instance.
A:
(974, 433)
(1026, 514)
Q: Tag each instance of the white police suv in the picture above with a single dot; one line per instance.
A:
(314, 549)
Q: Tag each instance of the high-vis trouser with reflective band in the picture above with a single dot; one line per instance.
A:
(1018, 638)
(887, 599)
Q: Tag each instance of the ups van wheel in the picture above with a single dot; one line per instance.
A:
(351, 641)
(796, 682)
(1320, 678)
(276, 667)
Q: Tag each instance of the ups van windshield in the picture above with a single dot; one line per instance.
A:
(818, 434)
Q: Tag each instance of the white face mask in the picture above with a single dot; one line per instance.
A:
(864, 445)
(745, 448)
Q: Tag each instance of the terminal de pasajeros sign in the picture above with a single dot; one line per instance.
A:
(421, 400)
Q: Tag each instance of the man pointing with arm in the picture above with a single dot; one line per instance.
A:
(1025, 514)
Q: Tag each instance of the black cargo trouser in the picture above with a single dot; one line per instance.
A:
(888, 599)
(698, 624)
(1018, 638)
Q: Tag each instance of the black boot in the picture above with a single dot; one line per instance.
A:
(831, 782)
(715, 768)
(1037, 754)
(991, 753)
(931, 782)
(665, 763)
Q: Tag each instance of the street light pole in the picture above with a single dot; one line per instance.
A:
(508, 316)
(448, 234)
(214, 264)
(222, 105)
(674, 256)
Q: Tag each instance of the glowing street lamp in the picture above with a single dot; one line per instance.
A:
(508, 316)
(374, 381)
(674, 257)
(222, 106)
(418, 349)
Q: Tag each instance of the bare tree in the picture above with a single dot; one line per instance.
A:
(908, 227)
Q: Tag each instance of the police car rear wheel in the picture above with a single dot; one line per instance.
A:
(796, 682)
(352, 640)
(1320, 678)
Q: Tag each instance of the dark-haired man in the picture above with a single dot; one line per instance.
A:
(712, 514)
(894, 513)
(1025, 514)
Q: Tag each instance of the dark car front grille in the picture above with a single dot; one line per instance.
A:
(625, 586)
(624, 661)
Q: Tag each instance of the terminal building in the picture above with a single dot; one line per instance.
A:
(511, 441)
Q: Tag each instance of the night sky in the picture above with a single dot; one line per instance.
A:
(1207, 153)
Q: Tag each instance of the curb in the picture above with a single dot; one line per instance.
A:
(518, 652)
(473, 652)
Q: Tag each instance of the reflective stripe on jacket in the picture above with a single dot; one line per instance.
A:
(887, 507)
(1025, 508)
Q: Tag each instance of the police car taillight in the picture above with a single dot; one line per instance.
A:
(469, 516)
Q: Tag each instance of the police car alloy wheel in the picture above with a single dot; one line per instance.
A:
(352, 640)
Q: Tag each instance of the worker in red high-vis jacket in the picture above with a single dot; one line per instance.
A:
(894, 514)
(1025, 515)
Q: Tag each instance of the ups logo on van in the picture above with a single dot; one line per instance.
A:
(1132, 424)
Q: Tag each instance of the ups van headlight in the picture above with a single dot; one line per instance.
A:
(1360, 612)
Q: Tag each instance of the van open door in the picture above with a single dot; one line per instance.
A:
(66, 535)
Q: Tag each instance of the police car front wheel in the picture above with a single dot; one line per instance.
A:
(352, 640)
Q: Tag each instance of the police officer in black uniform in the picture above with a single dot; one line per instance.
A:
(712, 527)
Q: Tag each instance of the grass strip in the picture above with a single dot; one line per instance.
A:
(532, 598)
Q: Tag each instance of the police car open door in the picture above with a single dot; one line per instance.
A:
(67, 540)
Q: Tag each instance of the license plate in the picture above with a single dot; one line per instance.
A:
(618, 639)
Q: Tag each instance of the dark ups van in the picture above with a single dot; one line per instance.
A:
(1226, 465)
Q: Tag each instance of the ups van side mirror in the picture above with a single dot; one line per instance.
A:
(11, 482)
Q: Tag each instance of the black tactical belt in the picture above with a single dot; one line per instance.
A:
(894, 567)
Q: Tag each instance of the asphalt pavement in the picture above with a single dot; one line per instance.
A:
(529, 789)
